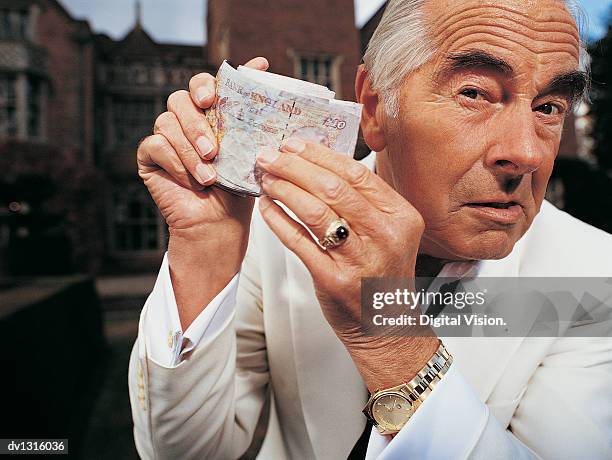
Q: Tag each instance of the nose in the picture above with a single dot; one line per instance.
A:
(517, 150)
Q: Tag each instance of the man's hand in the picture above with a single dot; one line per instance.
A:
(320, 186)
(208, 227)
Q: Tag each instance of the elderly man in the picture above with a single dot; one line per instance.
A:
(464, 103)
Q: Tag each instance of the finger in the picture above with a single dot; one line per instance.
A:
(155, 153)
(326, 185)
(202, 90)
(168, 126)
(202, 86)
(194, 124)
(258, 63)
(372, 187)
(293, 235)
(311, 211)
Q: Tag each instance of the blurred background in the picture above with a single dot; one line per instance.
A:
(81, 82)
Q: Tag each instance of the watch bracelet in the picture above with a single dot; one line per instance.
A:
(419, 387)
(428, 377)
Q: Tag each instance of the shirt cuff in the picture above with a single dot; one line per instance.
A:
(165, 340)
(447, 425)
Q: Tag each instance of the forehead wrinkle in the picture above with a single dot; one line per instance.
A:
(556, 26)
(535, 44)
(497, 39)
(500, 31)
(507, 43)
(537, 37)
(565, 19)
(510, 24)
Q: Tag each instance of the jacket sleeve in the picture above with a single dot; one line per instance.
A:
(166, 340)
(451, 424)
(208, 405)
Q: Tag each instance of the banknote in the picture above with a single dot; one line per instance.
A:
(255, 109)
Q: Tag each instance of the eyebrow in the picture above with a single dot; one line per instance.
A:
(473, 59)
(572, 84)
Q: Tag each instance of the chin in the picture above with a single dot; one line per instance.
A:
(490, 245)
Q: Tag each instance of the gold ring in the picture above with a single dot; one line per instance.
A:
(336, 234)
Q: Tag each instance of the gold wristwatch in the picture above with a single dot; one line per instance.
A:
(390, 409)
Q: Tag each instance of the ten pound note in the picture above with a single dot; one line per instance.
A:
(256, 109)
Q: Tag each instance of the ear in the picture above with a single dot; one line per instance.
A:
(373, 111)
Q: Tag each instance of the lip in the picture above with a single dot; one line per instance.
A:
(503, 215)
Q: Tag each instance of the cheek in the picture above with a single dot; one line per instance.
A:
(432, 148)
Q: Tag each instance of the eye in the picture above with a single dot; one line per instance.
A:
(549, 109)
(470, 93)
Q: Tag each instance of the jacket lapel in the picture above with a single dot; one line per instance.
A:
(329, 385)
(482, 360)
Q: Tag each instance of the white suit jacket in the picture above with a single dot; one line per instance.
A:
(536, 397)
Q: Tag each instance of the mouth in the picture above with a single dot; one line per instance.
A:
(504, 212)
(495, 204)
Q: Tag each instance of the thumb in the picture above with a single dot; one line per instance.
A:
(258, 63)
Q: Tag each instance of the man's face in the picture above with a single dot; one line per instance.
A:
(479, 126)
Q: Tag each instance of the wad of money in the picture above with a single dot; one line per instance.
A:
(255, 109)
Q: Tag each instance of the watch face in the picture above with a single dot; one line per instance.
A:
(391, 411)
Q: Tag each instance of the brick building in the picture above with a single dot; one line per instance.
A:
(289, 34)
(46, 136)
(74, 104)
(134, 77)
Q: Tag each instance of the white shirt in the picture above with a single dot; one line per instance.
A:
(452, 407)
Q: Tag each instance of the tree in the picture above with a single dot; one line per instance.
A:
(52, 205)
(601, 95)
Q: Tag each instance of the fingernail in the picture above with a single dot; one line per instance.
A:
(267, 155)
(202, 94)
(204, 173)
(267, 179)
(264, 63)
(264, 202)
(204, 146)
(293, 144)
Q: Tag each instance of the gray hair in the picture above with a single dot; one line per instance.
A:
(399, 46)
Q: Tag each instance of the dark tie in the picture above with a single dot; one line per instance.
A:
(435, 308)
(361, 446)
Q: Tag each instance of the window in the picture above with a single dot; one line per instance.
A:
(132, 119)
(319, 69)
(137, 75)
(178, 76)
(137, 225)
(34, 108)
(8, 105)
(13, 24)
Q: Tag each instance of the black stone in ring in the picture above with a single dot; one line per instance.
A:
(336, 234)
(342, 232)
